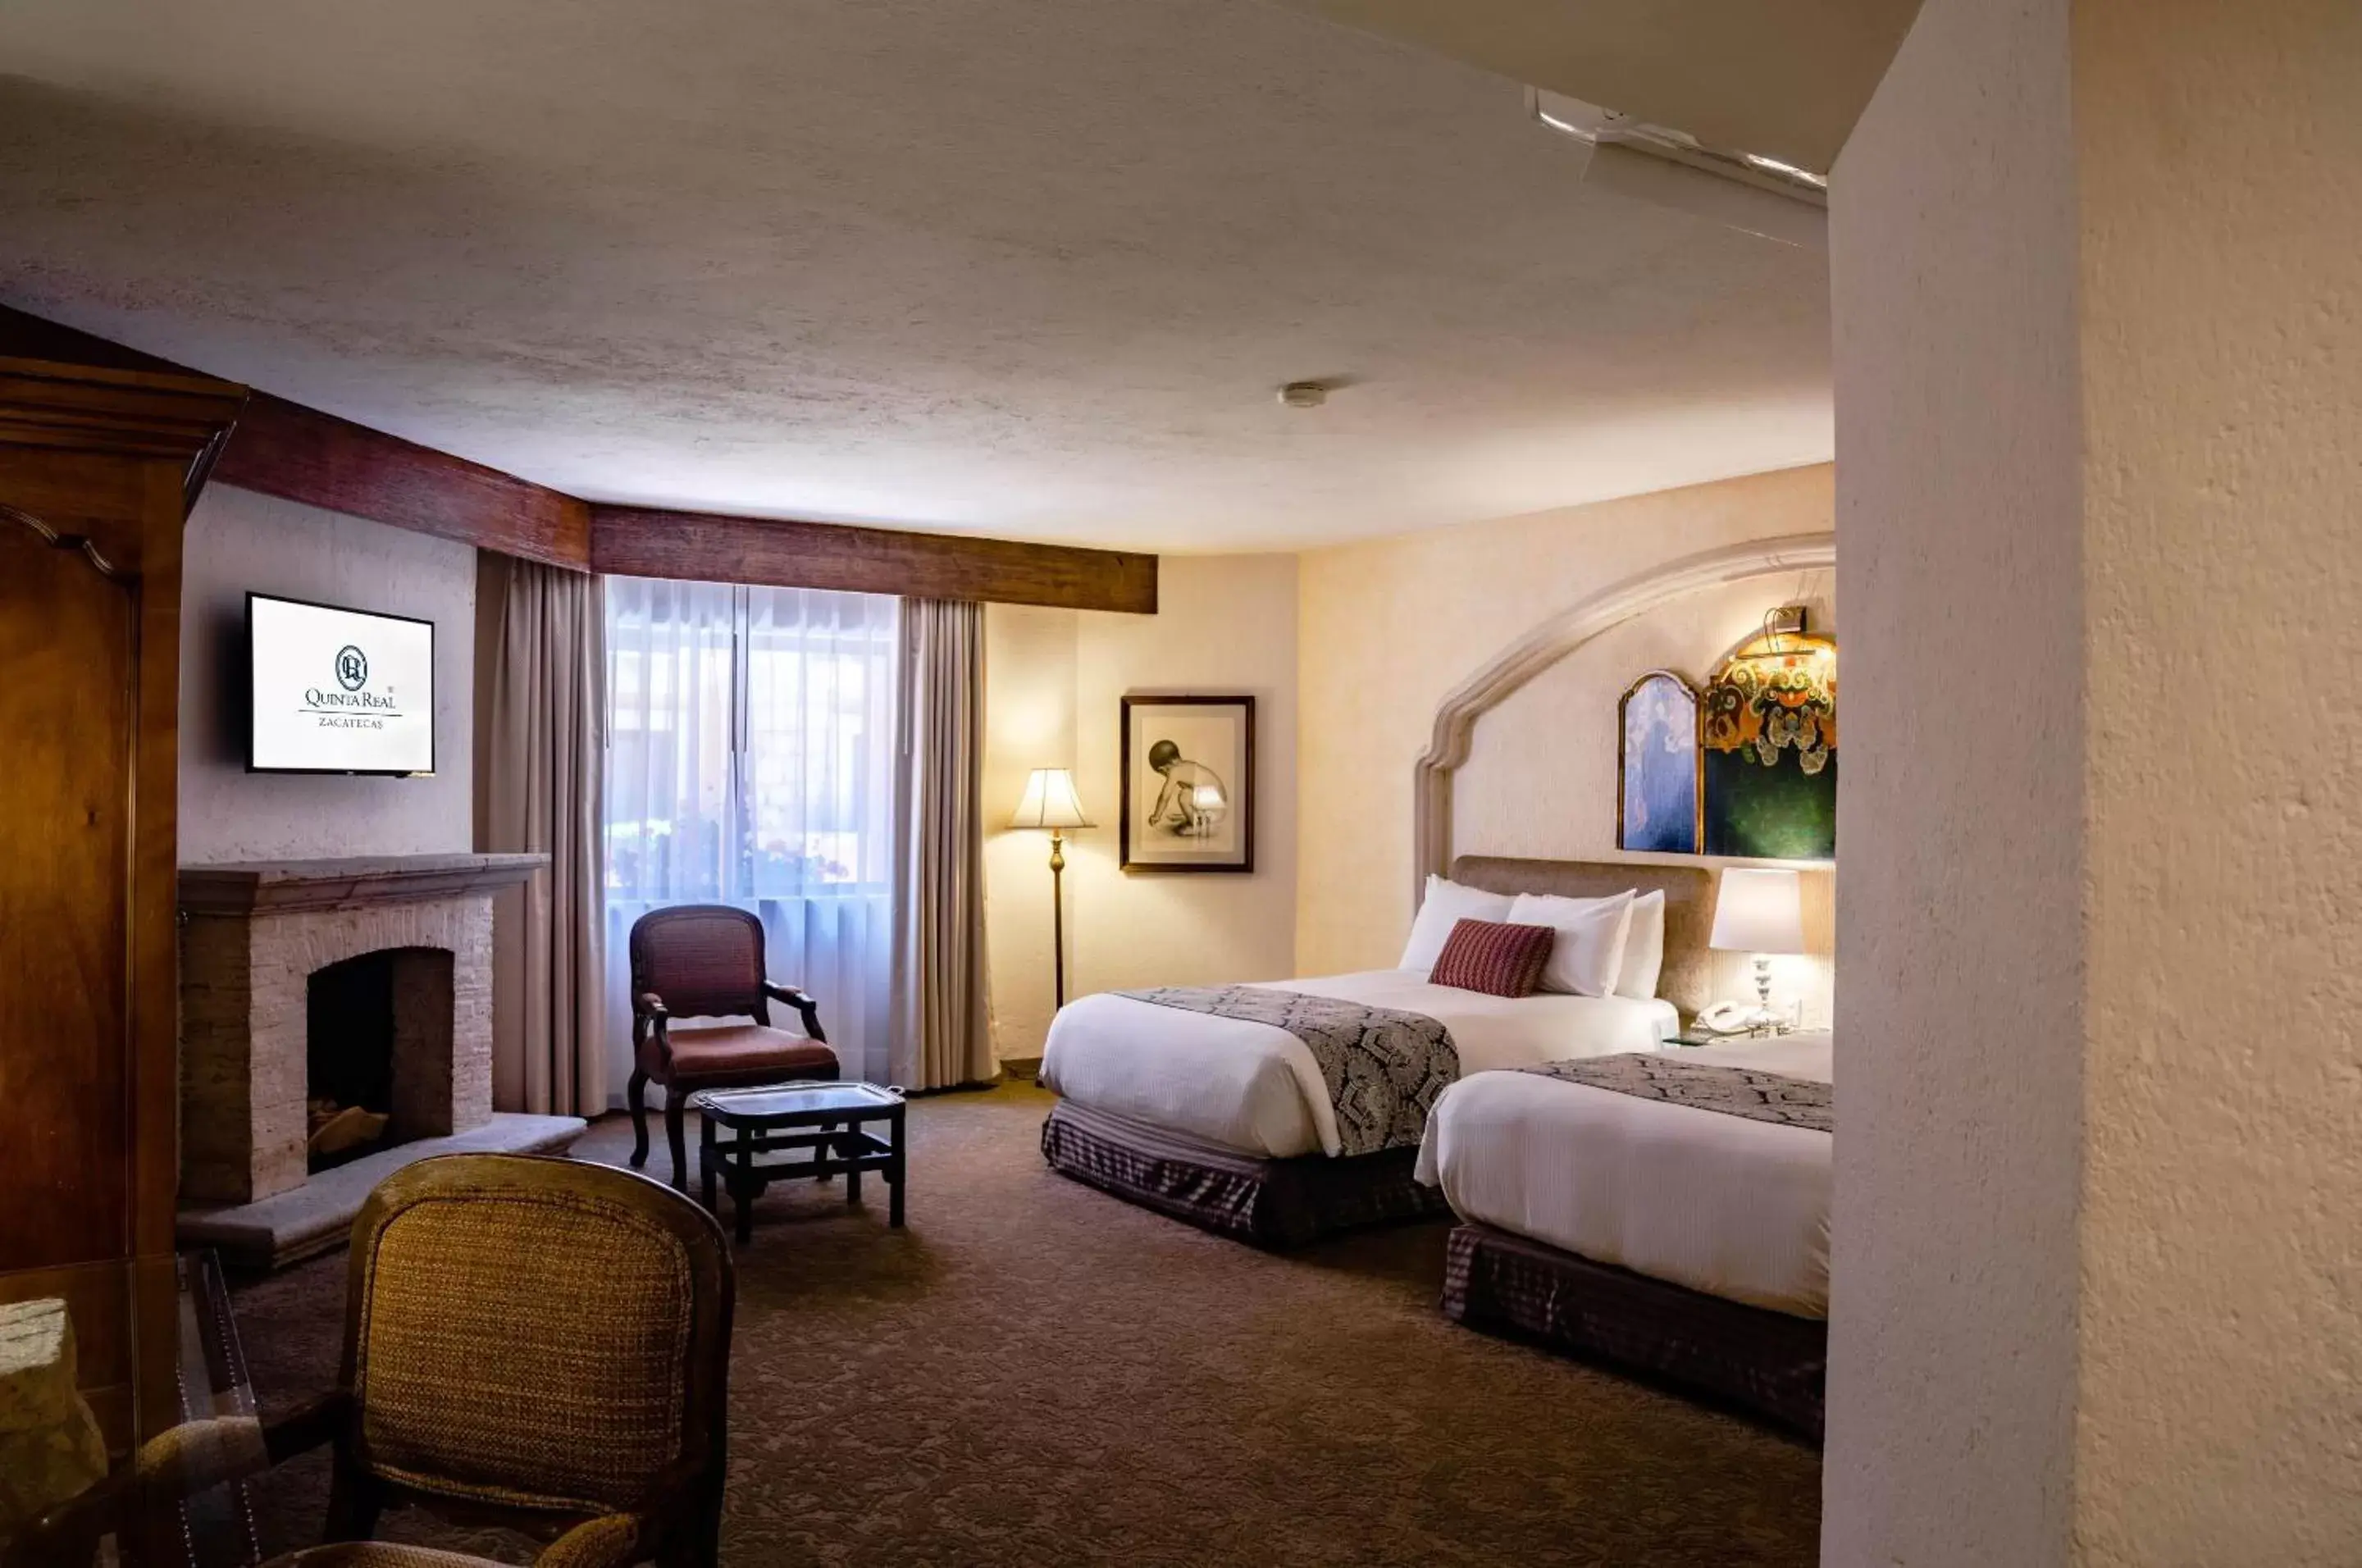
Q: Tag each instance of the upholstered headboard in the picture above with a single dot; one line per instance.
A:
(1687, 980)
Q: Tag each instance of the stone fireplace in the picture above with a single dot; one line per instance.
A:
(264, 948)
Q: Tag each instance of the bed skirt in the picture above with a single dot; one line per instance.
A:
(1765, 1361)
(1272, 1203)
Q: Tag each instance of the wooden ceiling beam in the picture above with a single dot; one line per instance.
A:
(633, 541)
(285, 449)
(301, 454)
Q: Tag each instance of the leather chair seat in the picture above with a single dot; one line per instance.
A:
(722, 1049)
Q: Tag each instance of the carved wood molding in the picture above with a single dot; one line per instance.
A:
(57, 541)
(1521, 661)
(168, 414)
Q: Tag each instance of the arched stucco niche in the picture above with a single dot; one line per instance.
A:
(1561, 635)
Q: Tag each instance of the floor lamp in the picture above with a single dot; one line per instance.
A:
(1051, 802)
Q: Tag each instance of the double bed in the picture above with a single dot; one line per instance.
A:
(1227, 1123)
(1685, 1243)
(1255, 1088)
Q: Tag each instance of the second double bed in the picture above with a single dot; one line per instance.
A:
(1668, 1213)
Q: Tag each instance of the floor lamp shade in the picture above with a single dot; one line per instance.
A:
(1050, 801)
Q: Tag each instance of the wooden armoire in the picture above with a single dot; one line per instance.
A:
(98, 467)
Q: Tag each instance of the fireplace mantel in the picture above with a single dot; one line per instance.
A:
(253, 935)
(284, 887)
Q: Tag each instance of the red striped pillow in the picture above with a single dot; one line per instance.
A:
(1493, 958)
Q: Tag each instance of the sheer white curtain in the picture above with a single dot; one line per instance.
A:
(751, 761)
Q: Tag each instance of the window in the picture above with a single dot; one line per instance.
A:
(750, 761)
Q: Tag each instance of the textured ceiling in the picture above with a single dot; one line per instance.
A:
(1783, 77)
(1028, 267)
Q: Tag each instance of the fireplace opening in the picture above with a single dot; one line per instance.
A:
(365, 1019)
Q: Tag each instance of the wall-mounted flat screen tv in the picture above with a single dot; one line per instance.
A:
(333, 691)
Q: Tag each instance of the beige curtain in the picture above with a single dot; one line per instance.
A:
(943, 1033)
(541, 714)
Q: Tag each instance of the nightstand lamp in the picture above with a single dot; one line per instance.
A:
(1051, 802)
(1761, 912)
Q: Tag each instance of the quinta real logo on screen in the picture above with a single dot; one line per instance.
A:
(352, 675)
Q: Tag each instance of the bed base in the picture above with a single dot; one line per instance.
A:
(1767, 1363)
(1270, 1203)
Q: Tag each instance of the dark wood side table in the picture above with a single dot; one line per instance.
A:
(826, 1118)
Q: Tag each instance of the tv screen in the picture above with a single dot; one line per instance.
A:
(335, 690)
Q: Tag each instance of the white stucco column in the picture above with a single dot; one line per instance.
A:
(2097, 268)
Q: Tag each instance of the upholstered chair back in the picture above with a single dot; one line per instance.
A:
(535, 1333)
(704, 960)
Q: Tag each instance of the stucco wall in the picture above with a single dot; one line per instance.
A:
(2098, 354)
(1389, 626)
(1225, 624)
(238, 540)
(2220, 189)
(1960, 908)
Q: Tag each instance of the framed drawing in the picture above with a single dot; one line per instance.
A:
(1659, 797)
(1189, 784)
(1770, 729)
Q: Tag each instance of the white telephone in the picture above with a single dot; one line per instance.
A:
(1730, 1018)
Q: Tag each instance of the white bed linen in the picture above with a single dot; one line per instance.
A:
(1257, 1088)
(1721, 1204)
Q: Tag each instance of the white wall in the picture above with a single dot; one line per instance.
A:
(1959, 910)
(238, 540)
(1029, 710)
(2098, 362)
(1225, 624)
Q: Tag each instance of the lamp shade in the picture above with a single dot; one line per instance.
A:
(1050, 801)
(1760, 911)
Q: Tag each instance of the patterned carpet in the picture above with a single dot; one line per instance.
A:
(1035, 1372)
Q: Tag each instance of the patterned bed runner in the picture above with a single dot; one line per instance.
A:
(1383, 1068)
(1705, 1086)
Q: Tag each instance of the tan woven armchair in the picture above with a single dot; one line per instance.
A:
(706, 961)
(541, 1343)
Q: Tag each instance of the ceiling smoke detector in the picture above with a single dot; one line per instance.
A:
(1303, 395)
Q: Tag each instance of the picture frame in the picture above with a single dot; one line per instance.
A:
(1660, 767)
(1767, 733)
(1189, 791)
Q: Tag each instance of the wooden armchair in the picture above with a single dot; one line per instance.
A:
(541, 1343)
(706, 961)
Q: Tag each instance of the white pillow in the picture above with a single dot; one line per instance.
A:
(1445, 905)
(1588, 954)
(1644, 949)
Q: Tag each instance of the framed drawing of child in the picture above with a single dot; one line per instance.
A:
(1189, 784)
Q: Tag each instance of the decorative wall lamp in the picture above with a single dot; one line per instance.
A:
(1051, 803)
